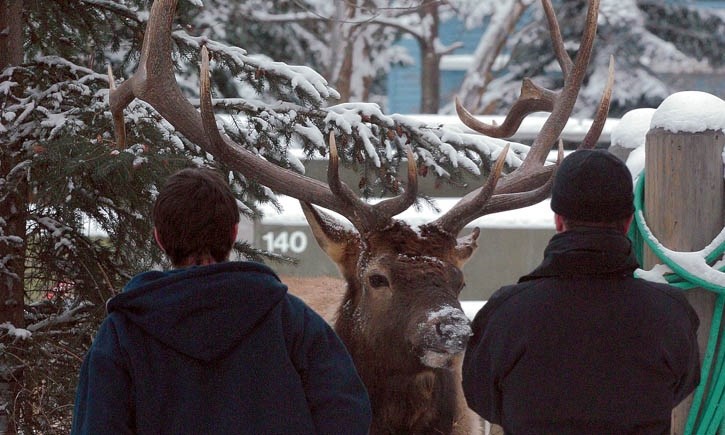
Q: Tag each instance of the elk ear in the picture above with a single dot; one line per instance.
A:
(466, 246)
(337, 241)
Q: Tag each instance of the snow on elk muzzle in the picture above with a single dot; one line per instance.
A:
(443, 335)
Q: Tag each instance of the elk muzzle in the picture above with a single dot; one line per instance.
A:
(443, 334)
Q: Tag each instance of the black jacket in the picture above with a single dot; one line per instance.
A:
(579, 346)
(219, 349)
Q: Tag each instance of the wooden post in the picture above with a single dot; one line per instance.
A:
(684, 209)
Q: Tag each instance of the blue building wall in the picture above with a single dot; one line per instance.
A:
(404, 81)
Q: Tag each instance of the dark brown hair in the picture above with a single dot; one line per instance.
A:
(194, 215)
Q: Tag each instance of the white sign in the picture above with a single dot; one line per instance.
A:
(285, 242)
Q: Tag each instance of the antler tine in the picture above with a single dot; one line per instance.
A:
(208, 120)
(468, 207)
(510, 201)
(360, 213)
(565, 62)
(600, 117)
(391, 207)
(533, 98)
(365, 216)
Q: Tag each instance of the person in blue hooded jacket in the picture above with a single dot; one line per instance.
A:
(214, 346)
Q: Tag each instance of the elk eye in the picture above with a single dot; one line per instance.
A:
(377, 281)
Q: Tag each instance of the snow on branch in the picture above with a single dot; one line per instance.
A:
(19, 170)
(67, 316)
(17, 333)
(41, 110)
(379, 135)
(117, 8)
(301, 79)
(9, 275)
(57, 230)
(283, 18)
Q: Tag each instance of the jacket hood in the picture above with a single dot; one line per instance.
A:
(200, 311)
(586, 251)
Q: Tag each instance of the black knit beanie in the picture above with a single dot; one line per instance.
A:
(592, 186)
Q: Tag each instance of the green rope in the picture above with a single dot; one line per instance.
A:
(710, 408)
(713, 400)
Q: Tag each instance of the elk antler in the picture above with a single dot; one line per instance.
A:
(531, 181)
(533, 98)
(154, 83)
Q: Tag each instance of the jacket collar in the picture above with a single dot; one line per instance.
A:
(586, 251)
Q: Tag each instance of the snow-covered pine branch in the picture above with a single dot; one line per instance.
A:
(69, 315)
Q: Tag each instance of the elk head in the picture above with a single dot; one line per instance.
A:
(402, 283)
(401, 315)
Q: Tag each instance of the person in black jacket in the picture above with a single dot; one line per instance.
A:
(213, 346)
(579, 346)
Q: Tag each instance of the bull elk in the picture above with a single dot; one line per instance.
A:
(400, 317)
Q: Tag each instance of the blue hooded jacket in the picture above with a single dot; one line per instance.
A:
(219, 349)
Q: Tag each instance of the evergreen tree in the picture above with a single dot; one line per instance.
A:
(65, 170)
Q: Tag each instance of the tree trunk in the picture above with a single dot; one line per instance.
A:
(344, 78)
(13, 188)
(341, 50)
(430, 74)
(11, 33)
(430, 80)
(13, 211)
